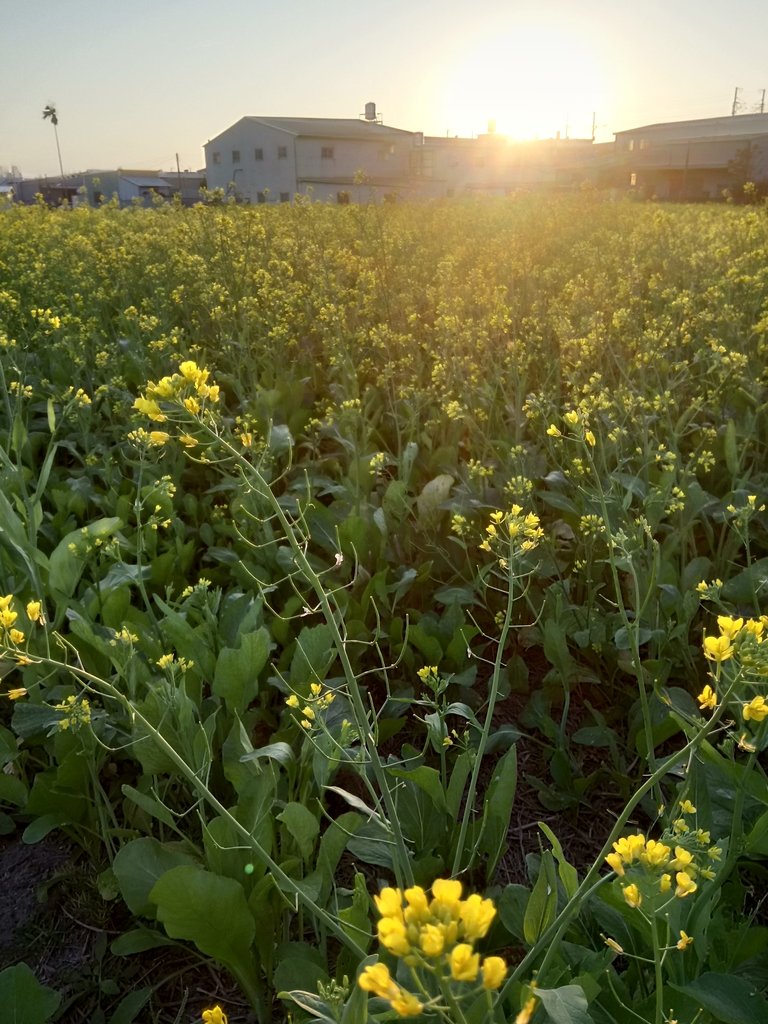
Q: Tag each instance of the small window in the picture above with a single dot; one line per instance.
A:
(631, 145)
(282, 152)
(235, 156)
(326, 153)
(643, 143)
(285, 197)
(216, 157)
(632, 180)
(258, 153)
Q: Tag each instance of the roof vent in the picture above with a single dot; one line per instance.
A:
(370, 111)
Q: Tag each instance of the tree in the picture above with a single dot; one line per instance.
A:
(49, 114)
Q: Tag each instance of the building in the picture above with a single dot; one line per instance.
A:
(695, 159)
(272, 159)
(128, 187)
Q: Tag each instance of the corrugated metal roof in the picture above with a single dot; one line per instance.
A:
(325, 127)
(146, 182)
(711, 127)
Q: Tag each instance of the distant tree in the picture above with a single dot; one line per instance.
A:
(49, 114)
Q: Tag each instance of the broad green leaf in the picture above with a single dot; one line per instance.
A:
(730, 448)
(730, 999)
(138, 866)
(69, 557)
(302, 825)
(236, 678)
(756, 843)
(23, 999)
(566, 1005)
(427, 780)
(433, 494)
(150, 804)
(542, 903)
(210, 911)
(313, 656)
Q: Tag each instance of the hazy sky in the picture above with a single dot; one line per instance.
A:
(137, 81)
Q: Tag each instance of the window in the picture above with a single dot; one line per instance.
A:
(326, 153)
(631, 145)
(285, 197)
(235, 156)
(258, 153)
(282, 152)
(643, 143)
(632, 180)
(216, 157)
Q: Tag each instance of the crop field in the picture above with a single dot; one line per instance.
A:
(384, 608)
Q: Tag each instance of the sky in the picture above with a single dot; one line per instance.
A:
(137, 82)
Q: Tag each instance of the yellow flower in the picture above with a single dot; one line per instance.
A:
(432, 939)
(687, 807)
(292, 701)
(685, 884)
(406, 1004)
(214, 1016)
(589, 437)
(393, 937)
(389, 903)
(553, 431)
(683, 859)
(192, 406)
(447, 896)
(729, 627)
(665, 883)
(684, 941)
(5, 602)
(707, 698)
(150, 408)
(632, 896)
(17, 637)
(613, 944)
(571, 418)
(527, 1012)
(476, 915)
(757, 709)
(377, 979)
(494, 972)
(188, 441)
(34, 611)
(718, 648)
(615, 861)
(16, 693)
(464, 963)
(158, 438)
(7, 617)
(418, 905)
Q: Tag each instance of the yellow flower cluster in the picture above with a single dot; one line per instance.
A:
(648, 868)
(9, 632)
(76, 713)
(317, 701)
(189, 388)
(437, 935)
(512, 530)
(745, 641)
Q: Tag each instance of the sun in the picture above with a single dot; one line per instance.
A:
(528, 81)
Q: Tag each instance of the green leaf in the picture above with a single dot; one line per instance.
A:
(497, 809)
(313, 656)
(427, 780)
(542, 904)
(566, 1005)
(150, 804)
(730, 448)
(756, 843)
(131, 1005)
(236, 679)
(69, 556)
(433, 494)
(302, 825)
(730, 1000)
(210, 911)
(568, 874)
(139, 940)
(138, 866)
(23, 999)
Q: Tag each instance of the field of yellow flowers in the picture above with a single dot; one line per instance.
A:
(338, 546)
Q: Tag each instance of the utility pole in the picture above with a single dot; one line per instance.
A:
(762, 103)
(735, 105)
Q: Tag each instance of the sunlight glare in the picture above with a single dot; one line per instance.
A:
(531, 80)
